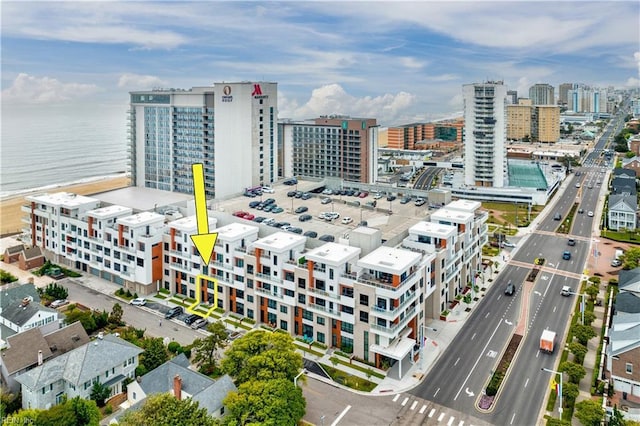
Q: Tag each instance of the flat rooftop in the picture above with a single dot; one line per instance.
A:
(110, 211)
(142, 199)
(280, 241)
(390, 260)
(235, 231)
(432, 229)
(142, 218)
(332, 253)
(62, 199)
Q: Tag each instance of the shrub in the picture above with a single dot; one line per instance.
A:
(174, 347)
(108, 410)
(494, 383)
(128, 293)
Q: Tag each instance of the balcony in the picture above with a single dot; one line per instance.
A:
(266, 277)
(323, 293)
(268, 293)
(393, 313)
(394, 331)
(323, 309)
(181, 267)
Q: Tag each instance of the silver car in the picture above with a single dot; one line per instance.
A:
(199, 323)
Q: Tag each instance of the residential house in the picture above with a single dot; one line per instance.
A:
(623, 353)
(629, 281)
(32, 348)
(633, 163)
(30, 258)
(622, 213)
(175, 377)
(11, 254)
(20, 310)
(623, 185)
(108, 360)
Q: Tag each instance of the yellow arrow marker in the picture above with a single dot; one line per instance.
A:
(204, 241)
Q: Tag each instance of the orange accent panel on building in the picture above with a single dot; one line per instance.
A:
(156, 262)
(395, 280)
(443, 243)
(461, 227)
(90, 226)
(263, 309)
(232, 299)
(258, 254)
(33, 224)
(172, 233)
(298, 318)
(337, 331)
(310, 269)
(413, 325)
(120, 237)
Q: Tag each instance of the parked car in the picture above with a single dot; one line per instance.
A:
(405, 200)
(614, 263)
(377, 196)
(277, 210)
(419, 202)
(510, 289)
(305, 196)
(269, 201)
(137, 302)
(239, 213)
(508, 244)
(259, 219)
(60, 302)
(310, 234)
(346, 220)
(174, 312)
(295, 230)
(291, 182)
(326, 200)
(327, 238)
(304, 217)
(301, 209)
(391, 197)
(363, 194)
(254, 204)
(191, 319)
(249, 216)
(268, 190)
(199, 323)
(291, 194)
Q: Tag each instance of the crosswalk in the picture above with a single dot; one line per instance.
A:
(422, 412)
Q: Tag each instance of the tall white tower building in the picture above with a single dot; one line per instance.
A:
(485, 133)
(231, 128)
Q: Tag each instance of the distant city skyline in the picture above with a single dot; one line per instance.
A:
(397, 62)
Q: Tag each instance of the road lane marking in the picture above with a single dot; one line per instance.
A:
(526, 383)
(512, 418)
(440, 417)
(487, 316)
(554, 309)
(477, 360)
(474, 336)
(405, 401)
(424, 407)
(456, 363)
(437, 390)
(461, 423)
(335, 422)
(451, 419)
(395, 398)
(413, 406)
(433, 410)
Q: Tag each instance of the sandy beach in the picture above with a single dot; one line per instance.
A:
(11, 215)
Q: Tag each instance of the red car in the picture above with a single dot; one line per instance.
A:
(248, 216)
(364, 194)
(240, 213)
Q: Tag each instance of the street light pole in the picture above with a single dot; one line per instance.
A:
(423, 333)
(295, 379)
(559, 390)
(582, 305)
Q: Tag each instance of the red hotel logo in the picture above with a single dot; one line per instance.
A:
(257, 92)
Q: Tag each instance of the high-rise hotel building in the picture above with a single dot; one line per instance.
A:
(485, 133)
(331, 147)
(231, 128)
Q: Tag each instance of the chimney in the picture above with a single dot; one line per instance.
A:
(30, 280)
(177, 387)
(39, 357)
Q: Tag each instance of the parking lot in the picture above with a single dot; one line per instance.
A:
(391, 217)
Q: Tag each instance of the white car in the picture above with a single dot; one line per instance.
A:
(138, 302)
(58, 303)
(268, 190)
(590, 214)
(508, 244)
(377, 196)
(346, 220)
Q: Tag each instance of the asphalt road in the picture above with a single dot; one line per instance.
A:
(139, 317)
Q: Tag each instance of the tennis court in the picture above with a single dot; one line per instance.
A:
(526, 175)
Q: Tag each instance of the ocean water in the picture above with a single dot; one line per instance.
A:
(44, 147)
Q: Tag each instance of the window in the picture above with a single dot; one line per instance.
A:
(320, 337)
(283, 325)
(301, 299)
(346, 327)
(364, 316)
(283, 309)
(301, 283)
(320, 320)
(288, 276)
(347, 292)
(347, 309)
(364, 300)
(629, 368)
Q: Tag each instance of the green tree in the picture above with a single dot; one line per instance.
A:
(589, 317)
(631, 258)
(262, 355)
(271, 402)
(100, 393)
(155, 354)
(573, 370)
(204, 350)
(55, 291)
(592, 291)
(570, 392)
(589, 412)
(164, 409)
(578, 350)
(616, 418)
(7, 277)
(22, 417)
(583, 333)
(554, 421)
(115, 317)
(86, 319)
(72, 412)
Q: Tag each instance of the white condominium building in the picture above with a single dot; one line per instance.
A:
(485, 134)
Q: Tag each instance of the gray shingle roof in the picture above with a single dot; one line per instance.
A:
(624, 340)
(208, 392)
(15, 309)
(627, 302)
(81, 364)
(630, 200)
(628, 279)
(12, 293)
(32, 253)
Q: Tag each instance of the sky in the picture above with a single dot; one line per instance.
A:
(395, 61)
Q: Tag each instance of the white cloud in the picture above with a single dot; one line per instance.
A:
(333, 99)
(140, 82)
(39, 90)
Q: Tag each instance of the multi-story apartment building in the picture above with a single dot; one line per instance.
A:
(334, 146)
(546, 123)
(583, 98)
(519, 120)
(485, 150)
(408, 135)
(542, 94)
(110, 242)
(512, 97)
(216, 126)
(366, 299)
(563, 93)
